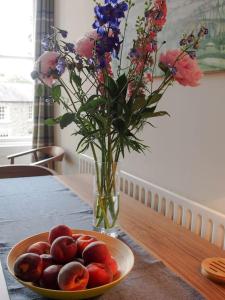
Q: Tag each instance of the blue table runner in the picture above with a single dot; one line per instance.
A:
(32, 205)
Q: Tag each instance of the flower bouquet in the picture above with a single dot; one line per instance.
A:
(110, 101)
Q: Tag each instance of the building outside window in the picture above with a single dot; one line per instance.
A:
(30, 112)
(3, 113)
(16, 61)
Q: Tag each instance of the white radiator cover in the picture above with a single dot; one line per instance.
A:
(201, 220)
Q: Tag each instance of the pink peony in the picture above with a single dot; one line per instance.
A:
(45, 63)
(85, 46)
(186, 69)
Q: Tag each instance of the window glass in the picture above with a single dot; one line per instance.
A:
(16, 61)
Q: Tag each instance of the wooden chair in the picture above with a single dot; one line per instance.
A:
(51, 154)
(24, 171)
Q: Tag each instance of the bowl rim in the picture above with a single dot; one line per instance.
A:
(31, 285)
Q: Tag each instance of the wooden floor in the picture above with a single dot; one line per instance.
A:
(178, 248)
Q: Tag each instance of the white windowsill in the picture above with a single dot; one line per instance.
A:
(15, 141)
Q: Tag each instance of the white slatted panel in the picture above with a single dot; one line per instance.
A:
(201, 220)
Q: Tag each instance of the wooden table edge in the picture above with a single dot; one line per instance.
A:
(210, 292)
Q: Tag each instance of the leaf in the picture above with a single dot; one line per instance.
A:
(160, 114)
(76, 79)
(66, 120)
(150, 113)
(92, 104)
(122, 80)
(52, 121)
(138, 103)
(40, 90)
(154, 98)
(111, 86)
(56, 92)
(119, 124)
(163, 67)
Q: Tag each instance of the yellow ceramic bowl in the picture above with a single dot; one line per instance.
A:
(118, 249)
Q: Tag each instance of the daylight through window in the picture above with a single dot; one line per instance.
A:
(16, 61)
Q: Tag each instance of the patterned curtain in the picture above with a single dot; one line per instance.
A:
(43, 106)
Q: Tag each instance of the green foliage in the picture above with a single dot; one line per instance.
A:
(56, 93)
(67, 119)
(76, 79)
(40, 90)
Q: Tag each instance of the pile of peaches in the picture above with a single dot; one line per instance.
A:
(68, 262)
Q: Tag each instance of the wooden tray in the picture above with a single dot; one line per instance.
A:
(214, 269)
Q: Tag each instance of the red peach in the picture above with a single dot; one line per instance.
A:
(28, 267)
(96, 252)
(57, 231)
(112, 264)
(80, 260)
(83, 241)
(47, 260)
(76, 236)
(99, 274)
(39, 248)
(49, 278)
(73, 276)
(63, 249)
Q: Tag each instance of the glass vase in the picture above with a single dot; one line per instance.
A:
(106, 201)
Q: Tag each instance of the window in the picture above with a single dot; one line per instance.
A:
(2, 113)
(30, 112)
(4, 134)
(16, 61)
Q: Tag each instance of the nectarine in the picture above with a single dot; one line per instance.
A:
(96, 252)
(73, 276)
(63, 249)
(99, 274)
(39, 248)
(82, 243)
(49, 278)
(28, 267)
(57, 231)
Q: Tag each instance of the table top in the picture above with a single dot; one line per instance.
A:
(181, 250)
(35, 204)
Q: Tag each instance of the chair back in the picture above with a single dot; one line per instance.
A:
(24, 171)
(55, 152)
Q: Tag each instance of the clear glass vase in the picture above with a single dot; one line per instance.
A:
(106, 202)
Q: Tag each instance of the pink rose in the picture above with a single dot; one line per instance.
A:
(85, 46)
(45, 63)
(186, 69)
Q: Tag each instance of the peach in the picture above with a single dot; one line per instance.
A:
(80, 260)
(73, 276)
(83, 241)
(39, 248)
(63, 249)
(49, 278)
(99, 274)
(96, 252)
(76, 236)
(57, 231)
(112, 264)
(47, 260)
(28, 267)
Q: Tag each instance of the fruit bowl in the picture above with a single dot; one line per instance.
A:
(118, 249)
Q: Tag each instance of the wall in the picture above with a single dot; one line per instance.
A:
(187, 150)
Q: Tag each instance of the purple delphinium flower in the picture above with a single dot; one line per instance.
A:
(60, 66)
(63, 33)
(69, 47)
(107, 25)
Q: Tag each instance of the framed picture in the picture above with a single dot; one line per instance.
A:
(184, 16)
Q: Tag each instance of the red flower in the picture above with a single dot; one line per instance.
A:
(157, 15)
(185, 69)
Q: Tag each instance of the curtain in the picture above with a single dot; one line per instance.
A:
(43, 106)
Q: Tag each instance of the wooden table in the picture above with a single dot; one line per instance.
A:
(178, 248)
